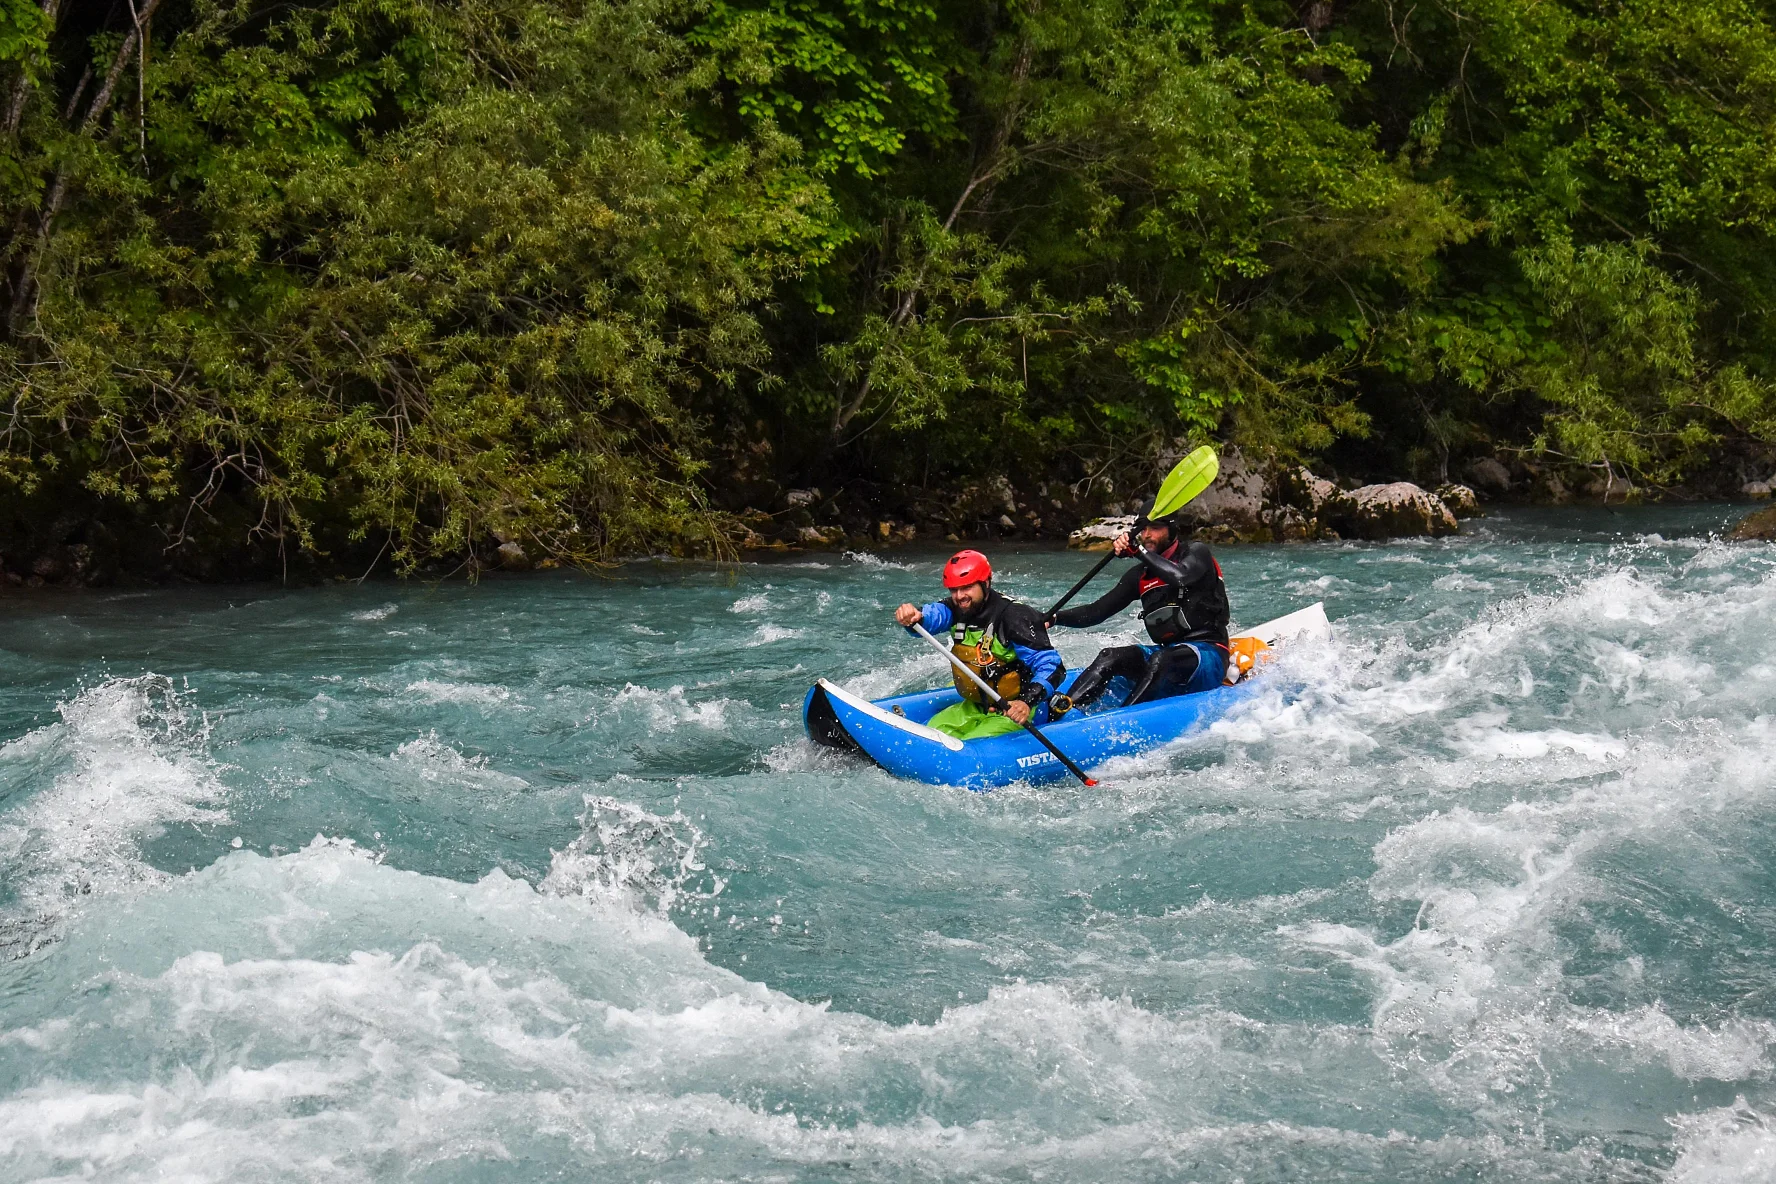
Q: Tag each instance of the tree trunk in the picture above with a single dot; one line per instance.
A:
(980, 184)
(24, 281)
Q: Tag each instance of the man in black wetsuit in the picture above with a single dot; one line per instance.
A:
(1184, 606)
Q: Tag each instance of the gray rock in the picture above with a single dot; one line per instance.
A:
(1308, 492)
(801, 498)
(985, 503)
(1399, 509)
(1236, 499)
(1097, 535)
(1489, 476)
(1001, 489)
(512, 557)
(1289, 524)
(1460, 500)
(1755, 489)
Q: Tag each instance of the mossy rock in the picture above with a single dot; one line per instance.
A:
(1759, 525)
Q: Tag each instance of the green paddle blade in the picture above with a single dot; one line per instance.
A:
(1188, 478)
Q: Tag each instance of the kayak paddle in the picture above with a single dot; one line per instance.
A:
(1188, 478)
(998, 701)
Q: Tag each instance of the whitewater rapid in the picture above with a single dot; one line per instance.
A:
(538, 878)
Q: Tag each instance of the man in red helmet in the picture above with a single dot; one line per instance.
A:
(1001, 640)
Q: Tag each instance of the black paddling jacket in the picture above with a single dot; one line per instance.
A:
(1012, 624)
(1181, 594)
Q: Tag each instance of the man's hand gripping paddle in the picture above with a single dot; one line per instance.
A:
(1188, 478)
(995, 698)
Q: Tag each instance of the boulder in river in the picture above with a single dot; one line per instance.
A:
(51, 567)
(1098, 534)
(1296, 506)
(1306, 492)
(820, 536)
(1398, 509)
(1757, 526)
(1290, 525)
(1489, 476)
(1236, 500)
(1460, 500)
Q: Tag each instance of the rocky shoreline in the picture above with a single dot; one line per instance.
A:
(1248, 503)
(1252, 501)
(1252, 504)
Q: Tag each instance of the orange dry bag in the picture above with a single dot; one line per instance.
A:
(1243, 655)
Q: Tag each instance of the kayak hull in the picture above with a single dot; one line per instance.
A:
(891, 732)
(837, 719)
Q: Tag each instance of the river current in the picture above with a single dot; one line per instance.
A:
(537, 878)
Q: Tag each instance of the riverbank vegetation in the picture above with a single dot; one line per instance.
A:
(370, 282)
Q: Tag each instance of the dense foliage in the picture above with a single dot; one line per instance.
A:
(385, 278)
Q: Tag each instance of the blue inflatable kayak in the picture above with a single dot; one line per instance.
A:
(892, 733)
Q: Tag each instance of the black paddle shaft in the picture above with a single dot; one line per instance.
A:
(1088, 577)
(1076, 588)
(1058, 754)
(999, 701)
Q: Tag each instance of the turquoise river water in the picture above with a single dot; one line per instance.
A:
(538, 879)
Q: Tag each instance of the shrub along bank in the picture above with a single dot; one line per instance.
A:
(383, 283)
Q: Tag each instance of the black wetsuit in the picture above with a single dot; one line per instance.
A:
(1183, 600)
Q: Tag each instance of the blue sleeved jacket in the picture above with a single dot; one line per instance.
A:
(1020, 627)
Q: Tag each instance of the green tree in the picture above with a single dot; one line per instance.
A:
(413, 274)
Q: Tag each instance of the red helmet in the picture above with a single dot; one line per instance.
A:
(965, 568)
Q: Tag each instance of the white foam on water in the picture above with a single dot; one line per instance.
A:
(757, 602)
(126, 761)
(868, 559)
(438, 760)
(632, 856)
(802, 755)
(1476, 973)
(1621, 633)
(381, 612)
(1550, 735)
(667, 708)
(1484, 736)
(899, 674)
(319, 1015)
(438, 691)
(1461, 581)
(580, 1032)
(1731, 1145)
(1318, 585)
(770, 632)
